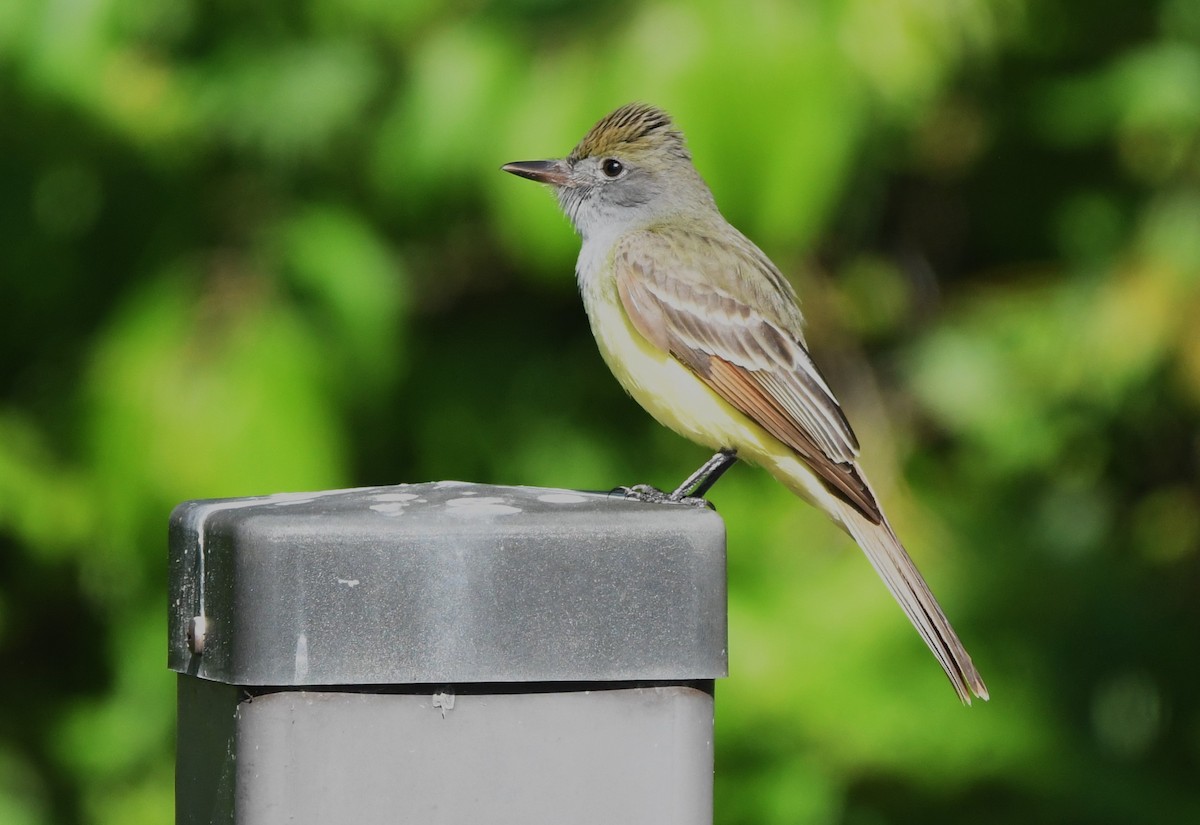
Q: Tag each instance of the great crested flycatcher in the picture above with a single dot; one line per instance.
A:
(704, 332)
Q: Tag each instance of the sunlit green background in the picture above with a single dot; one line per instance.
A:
(265, 246)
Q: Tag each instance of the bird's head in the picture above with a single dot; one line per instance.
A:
(631, 170)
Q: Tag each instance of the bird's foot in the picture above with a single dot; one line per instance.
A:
(653, 495)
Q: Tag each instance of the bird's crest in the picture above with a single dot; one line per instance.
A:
(633, 126)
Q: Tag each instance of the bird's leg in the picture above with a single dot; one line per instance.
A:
(701, 481)
(693, 488)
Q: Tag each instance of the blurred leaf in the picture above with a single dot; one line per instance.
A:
(211, 393)
(22, 799)
(122, 735)
(437, 136)
(359, 286)
(285, 102)
(42, 503)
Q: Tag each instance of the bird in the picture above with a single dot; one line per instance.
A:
(704, 331)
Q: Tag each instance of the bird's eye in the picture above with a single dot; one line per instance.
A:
(612, 167)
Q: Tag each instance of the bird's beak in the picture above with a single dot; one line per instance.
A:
(553, 172)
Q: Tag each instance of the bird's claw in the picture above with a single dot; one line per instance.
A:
(642, 492)
(653, 495)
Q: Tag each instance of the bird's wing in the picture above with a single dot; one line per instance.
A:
(732, 319)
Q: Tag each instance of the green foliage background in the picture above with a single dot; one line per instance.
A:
(254, 247)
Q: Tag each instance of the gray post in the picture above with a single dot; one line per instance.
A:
(445, 653)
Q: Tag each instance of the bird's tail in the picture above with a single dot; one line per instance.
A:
(890, 560)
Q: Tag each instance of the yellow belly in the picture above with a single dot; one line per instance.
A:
(668, 390)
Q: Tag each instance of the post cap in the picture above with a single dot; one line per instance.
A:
(445, 582)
